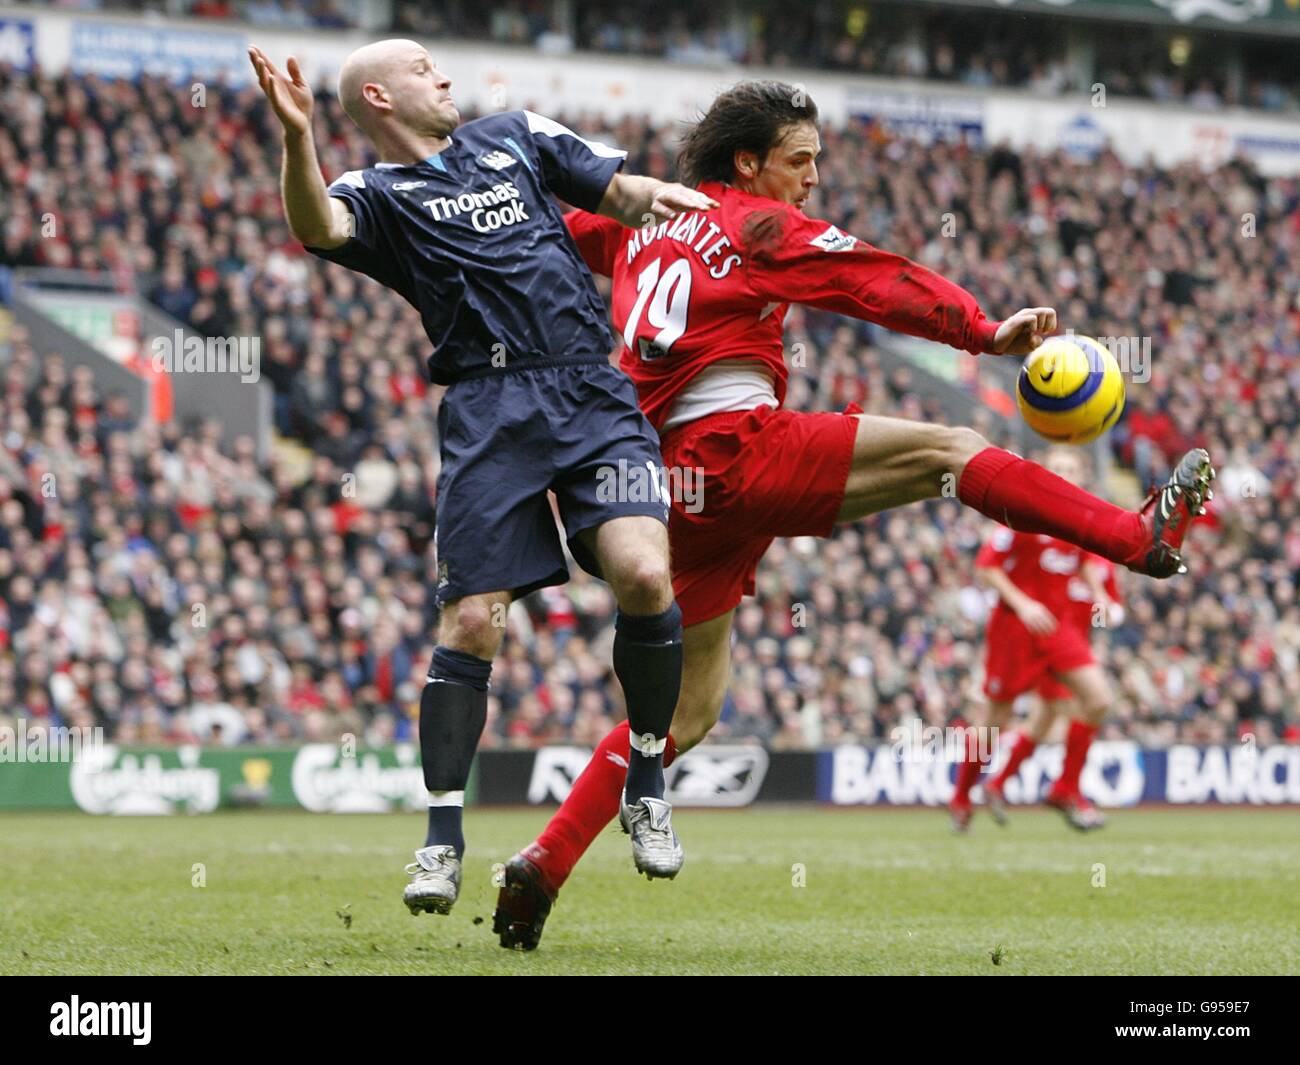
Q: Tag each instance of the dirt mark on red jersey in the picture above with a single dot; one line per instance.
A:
(762, 233)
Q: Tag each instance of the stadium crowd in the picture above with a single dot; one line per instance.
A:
(980, 48)
(169, 591)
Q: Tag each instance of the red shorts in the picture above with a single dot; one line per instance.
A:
(759, 474)
(1017, 661)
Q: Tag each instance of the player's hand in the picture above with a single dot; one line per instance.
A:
(671, 199)
(1036, 617)
(290, 95)
(1024, 331)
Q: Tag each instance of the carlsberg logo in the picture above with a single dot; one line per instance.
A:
(326, 780)
(142, 784)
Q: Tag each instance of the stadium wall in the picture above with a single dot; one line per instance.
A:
(490, 77)
(46, 333)
(324, 778)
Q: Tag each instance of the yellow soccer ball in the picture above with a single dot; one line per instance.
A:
(1070, 390)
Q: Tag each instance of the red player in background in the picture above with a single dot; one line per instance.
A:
(1039, 639)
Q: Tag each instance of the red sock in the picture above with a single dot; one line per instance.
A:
(1028, 498)
(1077, 742)
(1022, 749)
(591, 805)
(968, 770)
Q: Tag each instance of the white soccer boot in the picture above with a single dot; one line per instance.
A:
(435, 880)
(655, 848)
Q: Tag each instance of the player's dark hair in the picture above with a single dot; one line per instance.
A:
(754, 116)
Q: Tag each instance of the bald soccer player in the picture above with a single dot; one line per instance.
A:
(462, 220)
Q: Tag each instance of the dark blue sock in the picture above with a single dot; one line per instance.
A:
(648, 663)
(453, 709)
(645, 776)
(445, 827)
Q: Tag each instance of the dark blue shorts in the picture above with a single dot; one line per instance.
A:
(508, 438)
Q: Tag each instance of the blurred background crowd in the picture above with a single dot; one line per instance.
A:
(980, 48)
(169, 590)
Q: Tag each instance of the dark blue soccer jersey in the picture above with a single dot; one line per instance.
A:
(475, 242)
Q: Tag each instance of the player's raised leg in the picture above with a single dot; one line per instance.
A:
(896, 461)
(1093, 699)
(534, 876)
(453, 709)
(594, 799)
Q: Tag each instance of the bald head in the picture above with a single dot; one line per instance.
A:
(377, 62)
(389, 86)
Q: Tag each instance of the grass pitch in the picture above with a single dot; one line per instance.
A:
(883, 891)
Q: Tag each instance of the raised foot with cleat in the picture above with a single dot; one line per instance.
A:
(656, 850)
(524, 901)
(435, 880)
(1169, 512)
(1079, 812)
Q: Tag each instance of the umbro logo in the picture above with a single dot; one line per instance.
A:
(497, 160)
(406, 186)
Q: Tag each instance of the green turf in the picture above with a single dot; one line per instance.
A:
(885, 892)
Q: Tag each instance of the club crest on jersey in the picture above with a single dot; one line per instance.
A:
(834, 240)
(497, 159)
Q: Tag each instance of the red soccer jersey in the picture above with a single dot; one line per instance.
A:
(1044, 568)
(713, 285)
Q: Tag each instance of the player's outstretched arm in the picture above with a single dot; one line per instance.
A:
(315, 218)
(638, 201)
(803, 260)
